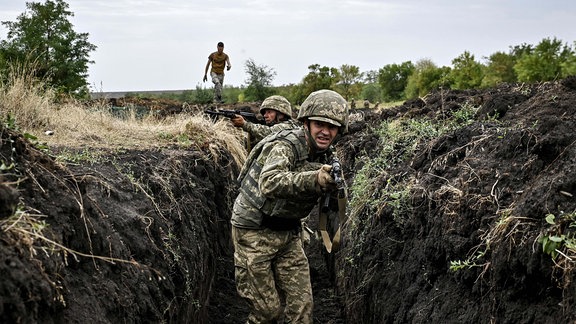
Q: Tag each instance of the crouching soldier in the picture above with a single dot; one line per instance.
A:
(277, 113)
(282, 180)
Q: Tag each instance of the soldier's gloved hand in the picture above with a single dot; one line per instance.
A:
(324, 181)
(205, 78)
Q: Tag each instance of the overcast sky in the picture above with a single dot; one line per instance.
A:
(164, 44)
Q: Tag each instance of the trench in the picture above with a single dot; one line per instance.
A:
(227, 307)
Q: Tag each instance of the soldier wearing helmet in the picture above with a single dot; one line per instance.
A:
(277, 113)
(276, 109)
(281, 181)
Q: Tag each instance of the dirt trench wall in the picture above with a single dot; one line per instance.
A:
(132, 237)
(478, 195)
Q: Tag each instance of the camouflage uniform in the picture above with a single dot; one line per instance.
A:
(218, 61)
(218, 80)
(217, 73)
(258, 278)
(278, 188)
(257, 131)
(281, 182)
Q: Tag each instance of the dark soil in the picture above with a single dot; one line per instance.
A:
(481, 194)
(143, 236)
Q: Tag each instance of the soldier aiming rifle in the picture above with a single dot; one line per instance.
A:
(232, 113)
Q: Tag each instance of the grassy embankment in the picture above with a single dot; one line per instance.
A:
(29, 107)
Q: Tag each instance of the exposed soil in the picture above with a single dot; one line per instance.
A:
(143, 236)
(481, 194)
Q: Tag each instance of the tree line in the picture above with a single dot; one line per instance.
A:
(44, 38)
(551, 59)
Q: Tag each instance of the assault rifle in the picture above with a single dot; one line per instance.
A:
(336, 174)
(333, 244)
(251, 117)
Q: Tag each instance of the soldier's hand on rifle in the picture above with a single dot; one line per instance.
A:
(205, 78)
(324, 181)
(238, 121)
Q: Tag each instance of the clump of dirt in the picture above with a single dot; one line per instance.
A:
(135, 237)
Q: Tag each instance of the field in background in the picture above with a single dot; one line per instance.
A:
(27, 106)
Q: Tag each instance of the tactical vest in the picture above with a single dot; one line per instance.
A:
(250, 174)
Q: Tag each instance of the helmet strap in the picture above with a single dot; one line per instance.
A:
(280, 117)
(313, 147)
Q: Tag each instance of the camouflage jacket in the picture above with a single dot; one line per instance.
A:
(278, 180)
(258, 132)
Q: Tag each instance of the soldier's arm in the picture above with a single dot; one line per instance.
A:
(258, 131)
(277, 179)
(208, 63)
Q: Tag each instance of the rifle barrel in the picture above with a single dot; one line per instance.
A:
(251, 117)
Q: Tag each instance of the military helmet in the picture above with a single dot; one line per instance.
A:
(278, 103)
(327, 106)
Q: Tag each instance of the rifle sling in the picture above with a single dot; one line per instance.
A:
(333, 245)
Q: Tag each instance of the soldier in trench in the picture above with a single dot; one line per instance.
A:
(281, 182)
(277, 113)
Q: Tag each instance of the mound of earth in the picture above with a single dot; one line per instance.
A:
(143, 236)
(467, 247)
(135, 236)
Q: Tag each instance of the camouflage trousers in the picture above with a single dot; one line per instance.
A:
(218, 80)
(271, 265)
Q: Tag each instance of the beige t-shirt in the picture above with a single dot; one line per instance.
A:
(218, 62)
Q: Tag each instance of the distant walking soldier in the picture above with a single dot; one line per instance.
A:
(281, 181)
(218, 60)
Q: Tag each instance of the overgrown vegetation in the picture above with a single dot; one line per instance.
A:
(561, 238)
(559, 241)
(398, 139)
(28, 104)
(88, 136)
(45, 36)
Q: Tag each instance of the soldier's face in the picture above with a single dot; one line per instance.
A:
(269, 116)
(323, 133)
